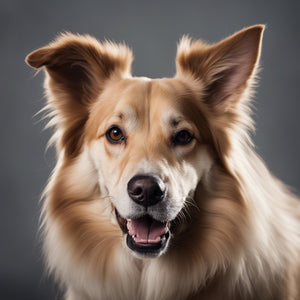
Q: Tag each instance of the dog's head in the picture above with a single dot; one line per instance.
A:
(150, 149)
(151, 143)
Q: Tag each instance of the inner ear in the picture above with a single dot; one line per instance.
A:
(77, 79)
(220, 88)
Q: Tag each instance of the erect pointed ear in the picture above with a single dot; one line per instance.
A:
(224, 69)
(77, 69)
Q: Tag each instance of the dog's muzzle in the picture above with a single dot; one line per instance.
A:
(145, 235)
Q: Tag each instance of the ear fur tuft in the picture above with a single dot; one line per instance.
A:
(79, 45)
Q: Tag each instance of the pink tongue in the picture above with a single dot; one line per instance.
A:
(146, 230)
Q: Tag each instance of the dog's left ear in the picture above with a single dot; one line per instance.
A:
(224, 69)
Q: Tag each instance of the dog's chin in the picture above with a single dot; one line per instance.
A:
(145, 236)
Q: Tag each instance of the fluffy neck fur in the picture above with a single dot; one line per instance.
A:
(261, 261)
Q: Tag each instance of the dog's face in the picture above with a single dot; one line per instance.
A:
(151, 143)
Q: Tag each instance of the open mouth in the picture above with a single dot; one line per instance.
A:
(145, 235)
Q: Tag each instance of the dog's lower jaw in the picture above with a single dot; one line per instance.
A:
(153, 243)
(146, 250)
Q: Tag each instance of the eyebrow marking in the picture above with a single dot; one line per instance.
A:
(175, 122)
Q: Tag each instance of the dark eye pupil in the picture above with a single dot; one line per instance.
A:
(116, 132)
(182, 138)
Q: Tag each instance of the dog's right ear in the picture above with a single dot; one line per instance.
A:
(80, 65)
(77, 69)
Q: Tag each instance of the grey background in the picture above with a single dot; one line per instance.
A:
(152, 29)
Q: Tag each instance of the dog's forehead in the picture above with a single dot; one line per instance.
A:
(146, 99)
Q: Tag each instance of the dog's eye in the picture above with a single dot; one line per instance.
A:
(115, 135)
(182, 137)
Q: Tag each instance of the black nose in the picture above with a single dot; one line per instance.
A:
(146, 190)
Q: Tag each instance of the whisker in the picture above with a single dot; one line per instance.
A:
(190, 201)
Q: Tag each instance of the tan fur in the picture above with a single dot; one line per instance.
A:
(236, 227)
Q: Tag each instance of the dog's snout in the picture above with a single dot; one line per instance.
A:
(146, 190)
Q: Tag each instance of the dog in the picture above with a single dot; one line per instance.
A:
(158, 192)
